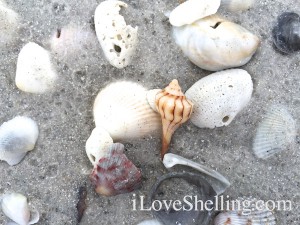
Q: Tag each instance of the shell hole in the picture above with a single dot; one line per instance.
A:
(128, 36)
(93, 158)
(119, 37)
(117, 48)
(58, 33)
(216, 25)
(230, 86)
(113, 23)
(225, 119)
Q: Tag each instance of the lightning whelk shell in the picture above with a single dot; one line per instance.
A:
(219, 97)
(17, 137)
(123, 111)
(213, 43)
(174, 109)
(237, 5)
(118, 40)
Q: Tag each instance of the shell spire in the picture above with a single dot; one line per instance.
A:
(174, 109)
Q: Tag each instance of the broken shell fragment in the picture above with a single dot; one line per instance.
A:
(35, 72)
(219, 97)
(276, 133)
(118, 40)
(174, 109)
(97, 145)
(150, 222)
(213, 43)
(17, 137)
(123, 111)
(192, 10)
(237, 5)
(115, 174)
(151, 95)
(219, 183)
(15, 207)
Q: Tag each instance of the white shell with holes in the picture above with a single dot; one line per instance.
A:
(219, 97)
(118, 40)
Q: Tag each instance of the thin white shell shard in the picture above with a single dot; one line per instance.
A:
(17, 137)
(117, 39)
(123, 111)
(97, 145)
(219, 97)
(237, 5)
(214, 44)
(277, 132)
(35, 72)
(150, 222)
(192, 10)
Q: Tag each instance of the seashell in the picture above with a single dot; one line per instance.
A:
(15, 207)
(35, 72)
(219, 97)
(174, 109)
(123, 111)
(237, 5)
(277, 132)
(193, 216)
(213, 43)
(115, 174)
(17, 137)
(97, 145)
(255, 214)
(151, 95)
(192, 10)
(150, 222)
(118, 40)
(219, 183)
(286, 32)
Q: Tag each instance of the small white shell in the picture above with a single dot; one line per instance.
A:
(237, 5)
(219, 97)
(213, 43)
(123, 111)
(151, 94)
(15, 207)
(35, 72)
(150, 222)
(277, 132)
(17, 137)
(117, 39)
(192, 10)
(97, 145)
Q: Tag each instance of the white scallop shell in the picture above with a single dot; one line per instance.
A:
(35, 72)
(17, 137)
(277, 132)
(150, 222)
(15, 207)
(237, 5)
(219, 97)
(117, 39)
(151, 94)
(192, 10)
(123, 111)
(97, 145)
(213, 43)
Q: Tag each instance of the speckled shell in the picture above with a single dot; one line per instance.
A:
(213, 43)
(123, 111)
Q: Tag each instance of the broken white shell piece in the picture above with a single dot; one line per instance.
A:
(150, 222)
(97, 145)
(219, 97)
(171, 160)
(151, 95)
(237, 5)
(35, 72)
(17, 137)
(192, 10)
(117, 39)
(15, 206)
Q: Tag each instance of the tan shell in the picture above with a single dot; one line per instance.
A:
(174, 109)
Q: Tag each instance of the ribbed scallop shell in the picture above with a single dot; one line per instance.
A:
(17, 137)
(275, 133)
(123, 111)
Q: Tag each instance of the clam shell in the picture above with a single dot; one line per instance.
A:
(35, 72)
(123, 111)
(277, 132)
(219, 97)
(17, 137)
(118, 40)
(237, 5)
(192, 10)
(213, 43)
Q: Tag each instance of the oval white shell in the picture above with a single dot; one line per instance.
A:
(118, 40)
(151, 94)
(97, 145)
(219, 97)
(35, 72)
(237, 5)
(123, 111)
(17, 137)
(150, 222)
(192, 10)
(15, 207)
(275, 133)
(213, 43)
